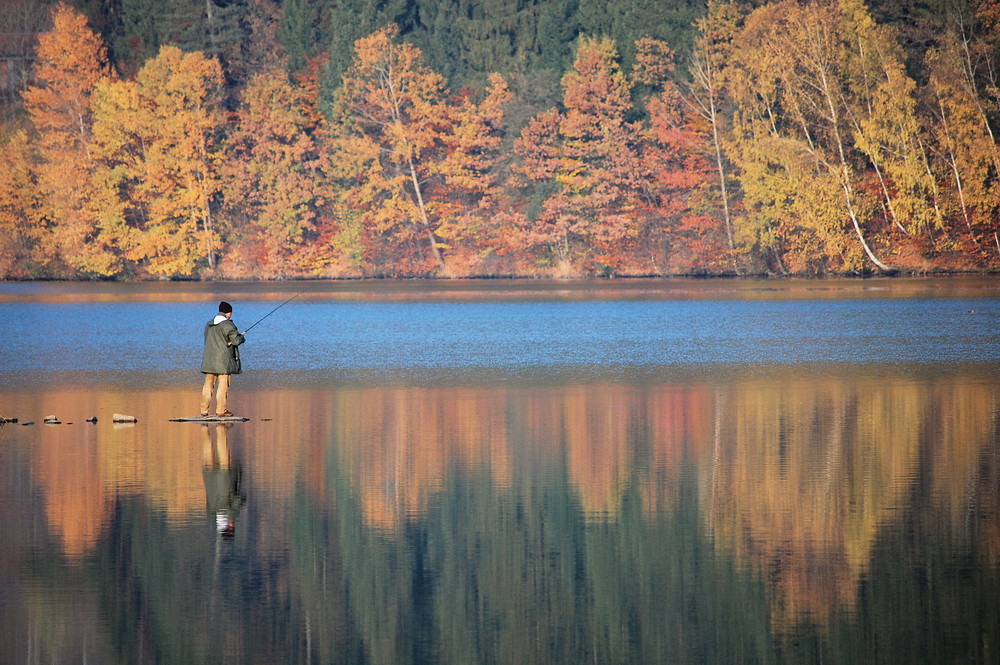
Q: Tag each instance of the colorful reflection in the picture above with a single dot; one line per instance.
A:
(544, 522)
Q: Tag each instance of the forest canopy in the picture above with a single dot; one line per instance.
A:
(261, 139)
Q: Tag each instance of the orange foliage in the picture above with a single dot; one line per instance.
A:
(71, 61)
(19, 222)
(692, 240)
(754, 158)
(591, 154)
(276, 181)
(156, 139)
(472, 191)
(392, 124)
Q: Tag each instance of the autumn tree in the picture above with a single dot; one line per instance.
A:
(19, 210)
(156, 138)
(783, 193)
(681, 232)
(71, 61)
(815, 84)
(883, 115)
(275, 177)
(799, 136)
(392, 121)
(473, 217)
(706, 88)
(963, 128)
(794, 135)
(588, 158)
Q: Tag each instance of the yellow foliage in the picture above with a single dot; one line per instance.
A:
(159, 167)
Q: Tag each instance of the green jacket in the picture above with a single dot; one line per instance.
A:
(222, 348)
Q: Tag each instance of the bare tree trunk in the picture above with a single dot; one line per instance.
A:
(206, 221)
(943, 119)
(706, 108)
(857, 230)
(958, 184)
(425, 220)
(873, 156)
(722, 176)
(845, 176)
(969, 73)
(390, 88)
(206, 211)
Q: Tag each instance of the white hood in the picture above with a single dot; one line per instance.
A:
(219, 318)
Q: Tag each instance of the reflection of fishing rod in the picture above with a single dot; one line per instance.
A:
(274, 310)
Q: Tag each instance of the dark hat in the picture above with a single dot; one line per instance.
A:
(225, 308)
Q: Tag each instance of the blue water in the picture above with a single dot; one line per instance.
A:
(324, 335)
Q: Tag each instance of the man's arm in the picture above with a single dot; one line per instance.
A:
(233, 337)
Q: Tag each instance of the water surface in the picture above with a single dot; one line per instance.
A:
(493, 472)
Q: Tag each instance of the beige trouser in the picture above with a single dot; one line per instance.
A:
(221, 394)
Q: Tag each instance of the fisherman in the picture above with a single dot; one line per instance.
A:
(221, 359)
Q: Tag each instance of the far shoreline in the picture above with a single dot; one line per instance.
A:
(873, 275)
(502, 289)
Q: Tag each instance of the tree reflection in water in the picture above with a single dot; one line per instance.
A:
(715, 519)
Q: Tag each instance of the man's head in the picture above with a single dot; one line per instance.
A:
(225, 308)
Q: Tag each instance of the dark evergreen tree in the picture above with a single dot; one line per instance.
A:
(298, 30)
(133, 32)
(210, 26)
(558, 27)
(630, 20)
(20, 22)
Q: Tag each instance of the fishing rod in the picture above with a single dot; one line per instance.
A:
(274, 310)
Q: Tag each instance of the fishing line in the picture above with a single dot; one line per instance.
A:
(274, 310)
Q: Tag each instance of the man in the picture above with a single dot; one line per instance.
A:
(221, 359)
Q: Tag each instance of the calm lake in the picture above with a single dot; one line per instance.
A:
(515, 472)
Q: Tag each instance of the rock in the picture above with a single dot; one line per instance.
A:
(122, 418)
(51, 420)
(4, 421)
(30, 422)
(92, 419)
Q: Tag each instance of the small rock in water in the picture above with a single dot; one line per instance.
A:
(92, 419)
(122, 418)
(30, 422)
(52, 420)
(4, 421)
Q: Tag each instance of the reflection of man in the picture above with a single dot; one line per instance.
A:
(221, 359)
(222, 479)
